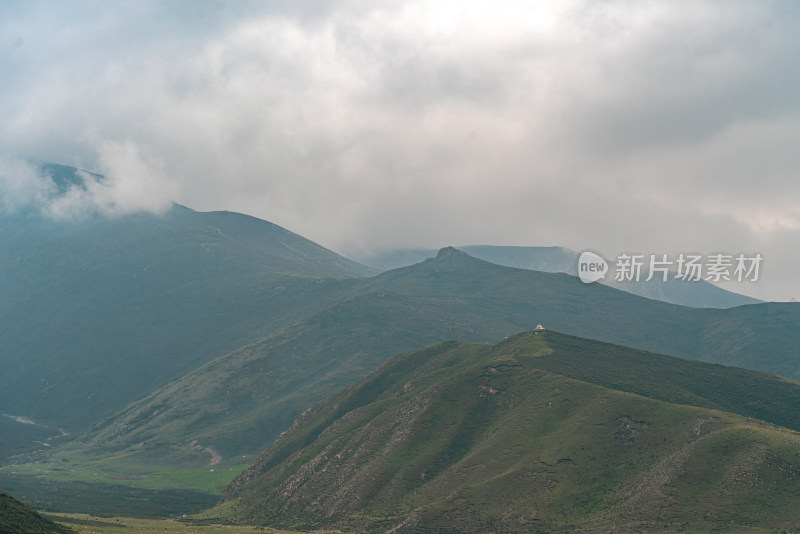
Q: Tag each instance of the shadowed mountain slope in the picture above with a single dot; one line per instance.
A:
(16, 518)
(98, 310)
(699, 294)
(758, 336)
(238, 404)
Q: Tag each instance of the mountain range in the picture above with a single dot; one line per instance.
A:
(152, 347)
(98, 310)
(240, 402)
(695, 293)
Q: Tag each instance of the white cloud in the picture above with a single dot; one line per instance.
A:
(22, 185)
(652, 126)
(130, 183)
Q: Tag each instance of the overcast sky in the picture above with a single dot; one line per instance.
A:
(652, 127)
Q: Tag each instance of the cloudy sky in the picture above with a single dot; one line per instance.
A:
(636, 126)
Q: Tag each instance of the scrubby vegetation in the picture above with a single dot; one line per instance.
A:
(17, 518)
(477, 438)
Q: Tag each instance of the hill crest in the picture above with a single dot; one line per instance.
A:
(470, 438)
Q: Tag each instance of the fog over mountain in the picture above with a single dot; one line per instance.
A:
(647, 127)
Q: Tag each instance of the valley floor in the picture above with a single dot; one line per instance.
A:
(87, 524)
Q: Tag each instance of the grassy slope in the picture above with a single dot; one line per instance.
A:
(17, 437)
(477, 438)
(98, 311)
(105, 497)
(759, 336)
(239, 403)
(235, 405)
(748, 393)
(16, 518)
(88, 524)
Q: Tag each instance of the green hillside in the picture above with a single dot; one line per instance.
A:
(98, 311)
(239, 403)
(16, 436)
(758, 336)
(478, 438)
(16, 518)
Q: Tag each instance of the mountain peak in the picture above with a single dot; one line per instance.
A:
(450, 251)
